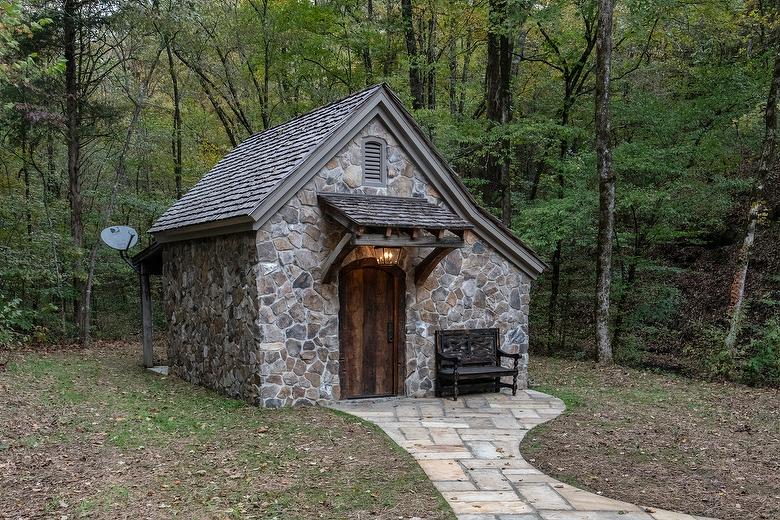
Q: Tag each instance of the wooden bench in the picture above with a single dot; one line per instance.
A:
(472, 356)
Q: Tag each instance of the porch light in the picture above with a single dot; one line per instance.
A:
(387, 255)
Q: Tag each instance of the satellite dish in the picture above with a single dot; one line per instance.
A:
(120, 238)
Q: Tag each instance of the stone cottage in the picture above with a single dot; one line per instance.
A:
(316, 260)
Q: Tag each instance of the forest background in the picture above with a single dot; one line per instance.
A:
(112, 110)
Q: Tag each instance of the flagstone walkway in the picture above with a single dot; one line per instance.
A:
(470, 450)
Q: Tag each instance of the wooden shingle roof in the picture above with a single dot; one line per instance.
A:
(243, 178)
(400, 212)
(255, 180)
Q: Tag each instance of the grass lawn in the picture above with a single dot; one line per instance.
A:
(88, 434)
(661, 440)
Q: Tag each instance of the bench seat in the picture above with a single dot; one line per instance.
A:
(464, 372)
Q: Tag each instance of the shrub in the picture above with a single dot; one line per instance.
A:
(12, 322)
(719, 362)
(762, 367)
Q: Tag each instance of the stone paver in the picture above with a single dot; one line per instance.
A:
(470, 449)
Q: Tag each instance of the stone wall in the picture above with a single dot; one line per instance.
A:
(210, 295)
(250, 316)
(473, 287)
(298, 314)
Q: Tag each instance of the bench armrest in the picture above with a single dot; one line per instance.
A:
(504, 353)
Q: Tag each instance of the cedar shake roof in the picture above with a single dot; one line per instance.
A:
(402, 212)
(247, 174)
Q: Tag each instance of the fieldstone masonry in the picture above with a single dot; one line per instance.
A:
(210, 296)
(279, 345)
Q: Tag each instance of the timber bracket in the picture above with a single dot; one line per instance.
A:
(381, 221)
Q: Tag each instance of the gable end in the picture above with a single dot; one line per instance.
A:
(382, 102)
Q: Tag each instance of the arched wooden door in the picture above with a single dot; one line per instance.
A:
(370, 330)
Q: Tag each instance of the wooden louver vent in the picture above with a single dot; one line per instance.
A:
(373, 167)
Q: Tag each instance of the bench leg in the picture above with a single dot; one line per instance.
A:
(514, 384)
(455, 387)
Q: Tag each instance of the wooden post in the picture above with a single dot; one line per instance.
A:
(146, 316)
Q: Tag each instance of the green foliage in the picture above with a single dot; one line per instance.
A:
(719, 364)
(689, 84)
(757, 363)
(12, 323)
(20, 325)
(762, 366)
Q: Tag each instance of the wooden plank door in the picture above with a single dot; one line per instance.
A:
(370, 312)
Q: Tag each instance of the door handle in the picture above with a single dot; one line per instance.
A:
(390, 331)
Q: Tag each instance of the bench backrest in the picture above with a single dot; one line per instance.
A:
(473, 346)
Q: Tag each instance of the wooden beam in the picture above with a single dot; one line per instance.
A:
(331, 264)
(388, 232)
(424, 269)
(378, 239)
(338, 217)
(146, 317)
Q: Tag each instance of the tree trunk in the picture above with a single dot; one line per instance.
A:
(27, 159)
(606, 181)
(464, 73)
(415, 74)
(73, 137)
(119, 178)
(740, 277)
(757, 205)
(506, 187)
(176, 136)
(452, 56)
(498, 107)
(367, 61)
(555, 284)
(389, 54)
(555, 281)
(51, 184)
(574, 76)
(266, 98)
(430, 60)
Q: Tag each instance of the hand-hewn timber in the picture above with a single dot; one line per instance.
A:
(146, 315)
(429, 263)
(331, 264)
(376, 239)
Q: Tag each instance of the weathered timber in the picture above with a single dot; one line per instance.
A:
(146, 316)
(429, 263)
(375, 239)
(331, 264)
